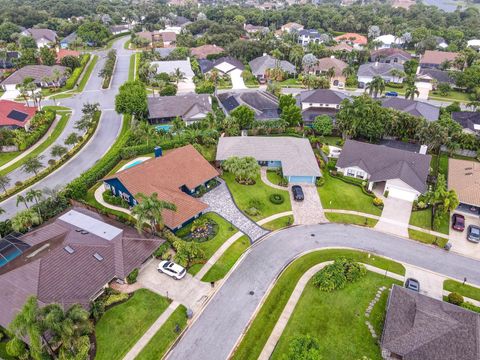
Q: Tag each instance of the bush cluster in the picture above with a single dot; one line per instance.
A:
(162, 250)
(320, 181)
(111, 199)
(73, 79)
(378, 202)
(335, 276)
(132, 277)
(455, 298)
(40, 124)
(277, 199)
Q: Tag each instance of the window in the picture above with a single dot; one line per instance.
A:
(350, 172)
(107, 186)
(125, 197)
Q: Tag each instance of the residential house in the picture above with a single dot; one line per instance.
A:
(164, 52)
(366, 72)
(14, 115)
(390, 55)
(291, 26)
(43, 37)
(435, 59)
(66, 42)
(260, 65)
(119, 29)
(474, 44)
(202, 52)
(223, 65)
(189, 107)
(184, 66)
(306, 36)
(254, 29)
(441, 43)
(388, 41)
(428, 79)
(41, 75)
(175, 177)
(178, 21)
(264, 104)
(464, 178)
(469, 120)
(400, 172)
(319, 102)
(8, 61)
(159, 38)
(70, 260)
(61, 53)
(293, 155)
(356, 40)
(341, 47)
(404, 4)
(322, 67)
(416, 108)
(419, 327)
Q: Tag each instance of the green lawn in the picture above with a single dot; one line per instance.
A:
(121, 326)
(423, 219)
(279, 223)
(263, 324)
(3, 351)
(165, 336)
(337, 319)
(453, 95)
(440, 165)
(426, 238)
(6, 157)
(131, 68)
(49, 141)
(227, 260)
(337, 194)
(291, 83)
(274, 177)
(351, 219)
(225, 231)
(246, 195)
(330, 140)
(88, 71)
(465, 290)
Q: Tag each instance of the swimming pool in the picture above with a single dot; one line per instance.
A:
(136, 162)
(165, 128)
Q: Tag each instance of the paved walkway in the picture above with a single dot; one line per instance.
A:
(395, 216)
(263, 175)
(135, 350)
(220, 201)
(98, 196)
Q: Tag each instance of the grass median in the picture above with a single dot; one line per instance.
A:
(351, 219)
(464, 290)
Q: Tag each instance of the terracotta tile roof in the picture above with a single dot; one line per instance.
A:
(437, 57)
(341, 47)
(201, 52)
(353, 37)
(167, 36)
(15, 114)
(464, 178)
(64, 52)
(166, 175)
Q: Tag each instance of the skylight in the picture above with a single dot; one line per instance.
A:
(98, 256)
(69, 249)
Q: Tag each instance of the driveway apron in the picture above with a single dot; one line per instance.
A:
(395, 216)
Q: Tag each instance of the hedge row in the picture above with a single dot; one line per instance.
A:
(47, 171)
(131, 151)
(353, 181)
(73, 79)
(36, 134)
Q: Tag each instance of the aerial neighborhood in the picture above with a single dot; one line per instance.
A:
(192, 179)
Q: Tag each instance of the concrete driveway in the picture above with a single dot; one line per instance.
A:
(459, 241)
(431, 284)
(237, 79)
(310, 210)
(189, 291)
(395, 216)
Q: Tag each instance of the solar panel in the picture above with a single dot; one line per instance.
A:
(17, 115)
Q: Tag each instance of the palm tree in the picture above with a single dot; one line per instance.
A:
(24, 220)
(71, 139)
(178, 75)
(213, 77)
(410, 91)
(33, 195)
(396, 73)
(296, 56)
(178, 124)
(22, 199)
(4, 182)
(376, 86)
(348, 71)
(330, 73)
(33, 164)
(58, 151)
(149, 210)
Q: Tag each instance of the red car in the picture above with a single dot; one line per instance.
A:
(458, 222)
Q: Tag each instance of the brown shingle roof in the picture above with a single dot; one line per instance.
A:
(37, 72)
(166, 175)
(437, 57)
(201, 52)
(341, 47)
(464, 178)
(326, 63)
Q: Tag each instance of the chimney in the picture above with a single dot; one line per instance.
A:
(423, 149)
(376, 63)
(264, 54)
(158, 151)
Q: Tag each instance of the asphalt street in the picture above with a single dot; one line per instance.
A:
(214, 334)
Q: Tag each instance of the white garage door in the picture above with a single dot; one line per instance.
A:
(401, 194)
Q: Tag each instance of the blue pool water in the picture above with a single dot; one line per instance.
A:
(9, 257)
(165, 128)
(133, 164)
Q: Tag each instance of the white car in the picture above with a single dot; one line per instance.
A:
(171, 269)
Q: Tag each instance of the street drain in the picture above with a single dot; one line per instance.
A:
(312, 235)
(251, 292)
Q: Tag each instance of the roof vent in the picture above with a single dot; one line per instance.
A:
(468, 168)
(69, 249)
(468, 174)
(83, 232)
(78, 230)
(98, 256)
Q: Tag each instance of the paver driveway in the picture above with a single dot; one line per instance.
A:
(310, 210)
(395, 216)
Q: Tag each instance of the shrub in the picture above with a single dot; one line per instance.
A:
(253, 211)
(277, 199)
(377, 202)
(320, 181)
(16, 348)
(162, 249)
(385, 194)
(73, 79)
(335, 276)
(97, 309)
(115, 298)
(132, 277)
(455, 298)
(111, 199)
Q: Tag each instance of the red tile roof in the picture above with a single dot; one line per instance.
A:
(165, 176)
(6, 108)
(65, 52)
(201, 52)
(357, 38)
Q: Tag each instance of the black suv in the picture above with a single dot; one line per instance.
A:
(297, 193)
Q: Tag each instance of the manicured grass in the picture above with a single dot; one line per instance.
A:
(279, 223)
(423, 219)
(137, 65)
(165, 336)
(87, 73)
(245, 195)
(426, 238)
(49, 141)
(227, 260)
(453, 95)
(351, 219)
(274, 177)
(6, 157)
(121, 326)
(465, 290)
(330, 140)
(440, 165)
(263, 324)
(291, 83)
(337, 319)
(131, 68)
(225, 231)
(337, 194)
(3, 352)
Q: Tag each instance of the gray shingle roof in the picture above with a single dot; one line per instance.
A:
(418, 327)
(385, 163)
(186, 106)
(262, 63)
(207, 65)
(295, 154)
(322, 96)
(415, 108)
(264, 104)
(380, 69)
(38, 34)
(169, 67)
(439, 75)
(467, 119)
(37, 72)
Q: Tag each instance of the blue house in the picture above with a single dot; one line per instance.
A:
(65, 43)
(175, 177)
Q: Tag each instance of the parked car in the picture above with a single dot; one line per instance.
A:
(391, 93)
(473, 234)
(341, 85)
(297, 193)
(171, 269)
(412, 284)
(458, 222)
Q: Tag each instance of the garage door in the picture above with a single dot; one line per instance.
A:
(401, 194)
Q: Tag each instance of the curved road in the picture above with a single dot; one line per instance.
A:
(214, 334)
(106, 134)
